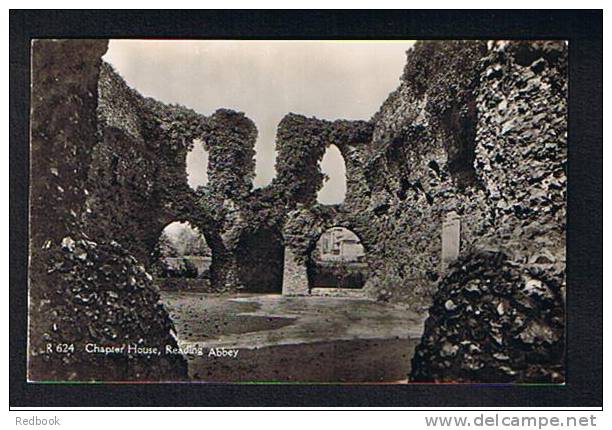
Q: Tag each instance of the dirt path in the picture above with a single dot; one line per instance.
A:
(293, 339)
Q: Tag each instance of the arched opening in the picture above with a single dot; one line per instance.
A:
(260, 256)
(332, 166)
(459, 124)
(197, 165)
(338, 260)
(182, 258)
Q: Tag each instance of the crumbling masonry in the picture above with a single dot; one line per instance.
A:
(475, 129)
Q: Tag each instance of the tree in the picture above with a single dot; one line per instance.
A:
(196, 245)
(166, 247)
(190, 242)
(163, 249)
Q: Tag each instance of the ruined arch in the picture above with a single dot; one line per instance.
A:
(338, 259)
(302, 231)
(301, 143)
(182, 251)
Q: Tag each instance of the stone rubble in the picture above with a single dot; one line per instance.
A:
(100, 294)
(493, 320)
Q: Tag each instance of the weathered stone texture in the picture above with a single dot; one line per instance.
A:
(521, 150)
(81, 291)
(97, 293)
(138, 180)
(231, 142)
(493, 320)
(500, 316)
(63, 133)
(420, 169)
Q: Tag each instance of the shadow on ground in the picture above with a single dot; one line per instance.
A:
(295, 339)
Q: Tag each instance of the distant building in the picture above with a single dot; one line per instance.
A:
(340, 244)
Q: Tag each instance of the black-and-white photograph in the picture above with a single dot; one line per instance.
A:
(298, 211)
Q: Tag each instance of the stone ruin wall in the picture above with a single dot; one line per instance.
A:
(499, 313)
(139, 178)
(474, 129)
(434, 151)
(82, 288)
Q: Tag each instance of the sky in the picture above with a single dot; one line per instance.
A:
(266, 80)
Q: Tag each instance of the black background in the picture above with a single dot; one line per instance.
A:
(583, 29)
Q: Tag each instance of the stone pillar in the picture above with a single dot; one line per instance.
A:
(295, 276)
(81, 291)
(224, 271)
(63, 134)
(231, 154)
(451, 239)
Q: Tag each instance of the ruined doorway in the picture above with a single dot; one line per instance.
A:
(260, 256)
(338, 261)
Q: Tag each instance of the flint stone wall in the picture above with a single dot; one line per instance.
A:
(82, 291)
(139, 179)
(429, 151)
(512, 207)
